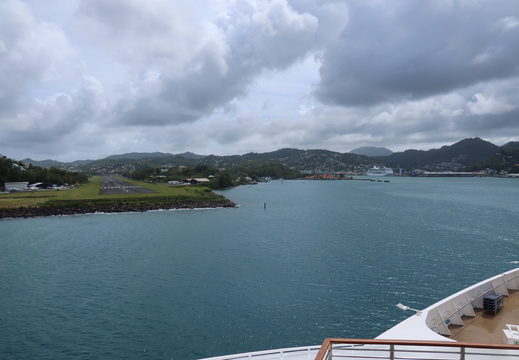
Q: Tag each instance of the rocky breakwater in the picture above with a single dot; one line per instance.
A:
(78, 208)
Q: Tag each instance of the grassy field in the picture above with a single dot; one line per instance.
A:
(89, 193)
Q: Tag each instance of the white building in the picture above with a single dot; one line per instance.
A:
(16, 186)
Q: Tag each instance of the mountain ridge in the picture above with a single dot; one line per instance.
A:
(452, 157)
(371, 151)
(455, 156)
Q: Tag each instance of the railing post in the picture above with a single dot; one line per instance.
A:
(330, 348)
(462, 353)
(392, 352)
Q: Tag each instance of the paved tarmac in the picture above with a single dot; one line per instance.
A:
(111, 185)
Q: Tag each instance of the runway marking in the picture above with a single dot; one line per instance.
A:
(119, 187)
(111, 186)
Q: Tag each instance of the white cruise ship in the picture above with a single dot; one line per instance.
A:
(475, 323)
(380, 171)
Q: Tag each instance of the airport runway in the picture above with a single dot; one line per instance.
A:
(111, 185)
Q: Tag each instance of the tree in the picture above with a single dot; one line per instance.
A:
(224, 180)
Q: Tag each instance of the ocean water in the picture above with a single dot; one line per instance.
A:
(296, 262)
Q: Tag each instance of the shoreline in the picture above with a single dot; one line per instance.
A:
(43, 211)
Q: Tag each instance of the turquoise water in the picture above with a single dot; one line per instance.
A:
(298, 261)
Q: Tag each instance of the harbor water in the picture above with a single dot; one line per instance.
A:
(296, 262)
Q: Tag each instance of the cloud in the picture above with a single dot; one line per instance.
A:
(201, 66)
(143, 34)
(404, 50)
(87, 79)
(499, 97)
(26, 59)
(58, 121)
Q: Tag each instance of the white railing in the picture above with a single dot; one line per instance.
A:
(450, 310)
(299, 353)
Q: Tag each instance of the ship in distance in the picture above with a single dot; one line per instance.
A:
(479, 322)
(380, 171)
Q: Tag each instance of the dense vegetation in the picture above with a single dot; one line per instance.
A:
(294, 160)
(261, 169)
(219, 178)
(453, 157)
(505, 160)
(13, 171)
(468, 154)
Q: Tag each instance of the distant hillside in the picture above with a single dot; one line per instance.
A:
(510, 145)
(17, 171)
(43, 163)
(453, 157)
(316, 160)
(449, 157)
(371, 151)
(190, 155)
(507, 159)
(80, 162)
(302, 160)
(54, 163)
(140, 156)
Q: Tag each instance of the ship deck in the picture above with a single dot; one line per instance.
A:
(487, 327)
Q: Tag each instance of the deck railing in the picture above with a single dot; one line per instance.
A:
(462, 303)
(333, 349)
(299, 353)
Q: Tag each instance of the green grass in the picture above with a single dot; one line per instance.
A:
(89, 193)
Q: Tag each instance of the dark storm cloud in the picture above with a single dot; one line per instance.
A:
(398, 50)
(489, 124)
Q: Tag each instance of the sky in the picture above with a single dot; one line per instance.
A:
(85, 79)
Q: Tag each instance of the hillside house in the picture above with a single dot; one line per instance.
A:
(196, 181)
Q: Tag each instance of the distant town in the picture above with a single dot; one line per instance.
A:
(469, 157)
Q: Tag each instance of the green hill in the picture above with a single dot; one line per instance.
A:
(467, 153)
(449, 157)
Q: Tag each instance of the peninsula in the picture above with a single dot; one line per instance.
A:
(88, 198)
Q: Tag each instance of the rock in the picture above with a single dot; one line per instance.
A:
(23, 212)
